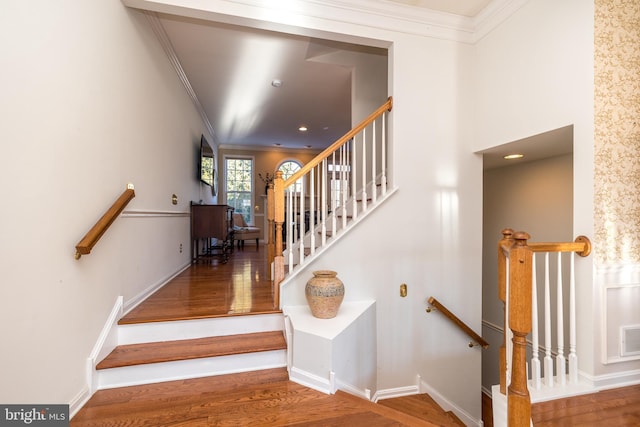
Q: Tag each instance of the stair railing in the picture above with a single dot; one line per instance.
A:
(476, 339)
(95, 233)
(316, 203)
(518, 291)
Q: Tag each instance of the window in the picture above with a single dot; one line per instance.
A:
(339, 178)
(239, 186)
(288, 168)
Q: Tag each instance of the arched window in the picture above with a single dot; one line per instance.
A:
(288, 168)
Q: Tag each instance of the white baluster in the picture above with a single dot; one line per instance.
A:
(354, 177)
(374, 191)
(344, 161)
(383, 177)
(289, 225)
(364, 170)
(561, 370)
(312, 210)
(573, 357)
(322, 211)
(535, 360)
(548, 360)
(301, 221)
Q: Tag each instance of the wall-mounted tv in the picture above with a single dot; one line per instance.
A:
(207, 162)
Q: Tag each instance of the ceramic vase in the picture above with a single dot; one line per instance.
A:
(324, 292)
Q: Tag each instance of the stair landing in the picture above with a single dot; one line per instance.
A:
(265, 398)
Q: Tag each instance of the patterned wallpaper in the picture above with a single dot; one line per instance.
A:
(617, 132)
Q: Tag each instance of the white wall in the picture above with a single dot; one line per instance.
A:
(89, 103)
(532, 74)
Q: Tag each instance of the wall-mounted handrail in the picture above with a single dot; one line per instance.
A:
(91, 238)
(449, 315)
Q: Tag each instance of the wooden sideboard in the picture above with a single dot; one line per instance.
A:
(211, 231)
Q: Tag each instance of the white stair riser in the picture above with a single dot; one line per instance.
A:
(199, 328)
(192, 368)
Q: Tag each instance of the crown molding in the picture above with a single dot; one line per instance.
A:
(161, 34)
(376, 14)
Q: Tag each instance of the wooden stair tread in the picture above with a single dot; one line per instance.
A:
(167, 351)
(422, 406)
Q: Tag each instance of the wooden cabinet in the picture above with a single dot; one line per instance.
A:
(211, 231)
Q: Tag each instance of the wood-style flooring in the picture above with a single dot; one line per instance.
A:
(241, 286)
(619, 407)
(262, 398)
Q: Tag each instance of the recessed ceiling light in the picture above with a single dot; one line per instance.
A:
(303, 128)
(513, 156)
(276, 82)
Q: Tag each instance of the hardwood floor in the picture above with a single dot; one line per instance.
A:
(261, 398)
(618, 407)
(212, 289)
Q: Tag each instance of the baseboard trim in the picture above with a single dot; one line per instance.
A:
(307, 379)
(146, 293)
(107, 341)
(447, 405)
(353, 390)
(390, 393)
(615, 380)
(79, 401)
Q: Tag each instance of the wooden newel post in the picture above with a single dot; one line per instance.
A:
(504, 243)
(278, 264)
(520, 264)
(271, 210)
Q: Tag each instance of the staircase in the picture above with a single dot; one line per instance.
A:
(423, 407)
(165, 351)
(327, 196)
(250, 348)
(340, 188)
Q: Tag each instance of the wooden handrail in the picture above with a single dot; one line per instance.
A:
(581, 246)
(91, 238)
(341, 141)
(449, 315)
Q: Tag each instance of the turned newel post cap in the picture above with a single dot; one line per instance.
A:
(521, 237)
(507, 233)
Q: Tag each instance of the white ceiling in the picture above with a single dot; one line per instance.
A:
(230, 70)
(553, 143)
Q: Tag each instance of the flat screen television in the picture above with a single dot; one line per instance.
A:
(207, 162)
